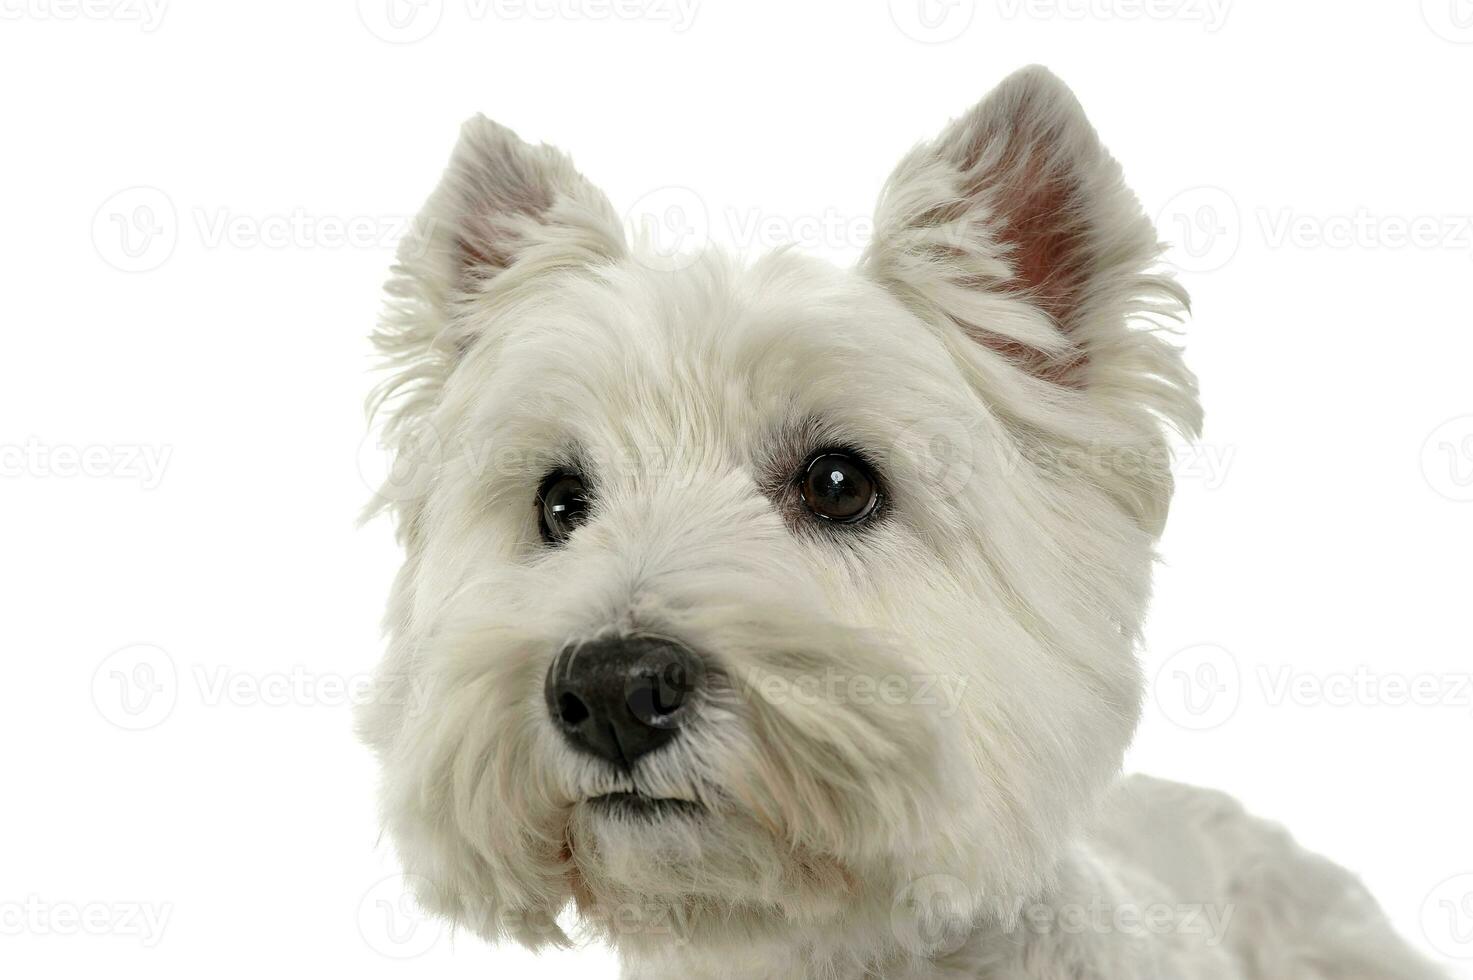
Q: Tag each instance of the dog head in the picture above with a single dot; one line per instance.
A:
(737, 598)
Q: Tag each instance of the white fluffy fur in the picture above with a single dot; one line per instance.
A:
(1006, 308)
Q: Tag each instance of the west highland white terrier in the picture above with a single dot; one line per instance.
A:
(776, 620)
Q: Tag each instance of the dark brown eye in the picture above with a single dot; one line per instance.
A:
(839, 487)
(562, 505)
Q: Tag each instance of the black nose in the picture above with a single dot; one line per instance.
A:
(623, 697)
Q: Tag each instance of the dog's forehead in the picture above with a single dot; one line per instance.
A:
(716, 351)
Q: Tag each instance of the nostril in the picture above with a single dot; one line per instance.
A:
(571, 709)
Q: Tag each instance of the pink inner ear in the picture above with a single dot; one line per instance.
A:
(1034, 211)
(480, 258)
(1047, 241)
(1039, 221)
(488, 241)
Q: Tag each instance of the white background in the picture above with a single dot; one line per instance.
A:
(184, 447)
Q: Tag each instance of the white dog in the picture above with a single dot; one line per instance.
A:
(781, 618)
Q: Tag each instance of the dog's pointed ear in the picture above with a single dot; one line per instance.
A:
(502, 203)
(501, 197)
(504, 212)
(1016, 226)
(1013, 234)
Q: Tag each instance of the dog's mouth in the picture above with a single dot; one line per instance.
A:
(637, 805)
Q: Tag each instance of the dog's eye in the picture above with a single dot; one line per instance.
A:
(562, 505)
(838, 486)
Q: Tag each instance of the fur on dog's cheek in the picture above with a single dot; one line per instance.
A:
(820, 767)
(472, 800)
(816, 773)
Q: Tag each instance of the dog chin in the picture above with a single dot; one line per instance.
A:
(643, 863)
(623, 838)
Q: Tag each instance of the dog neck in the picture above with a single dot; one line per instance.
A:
(876, 941)
(1083, 917)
